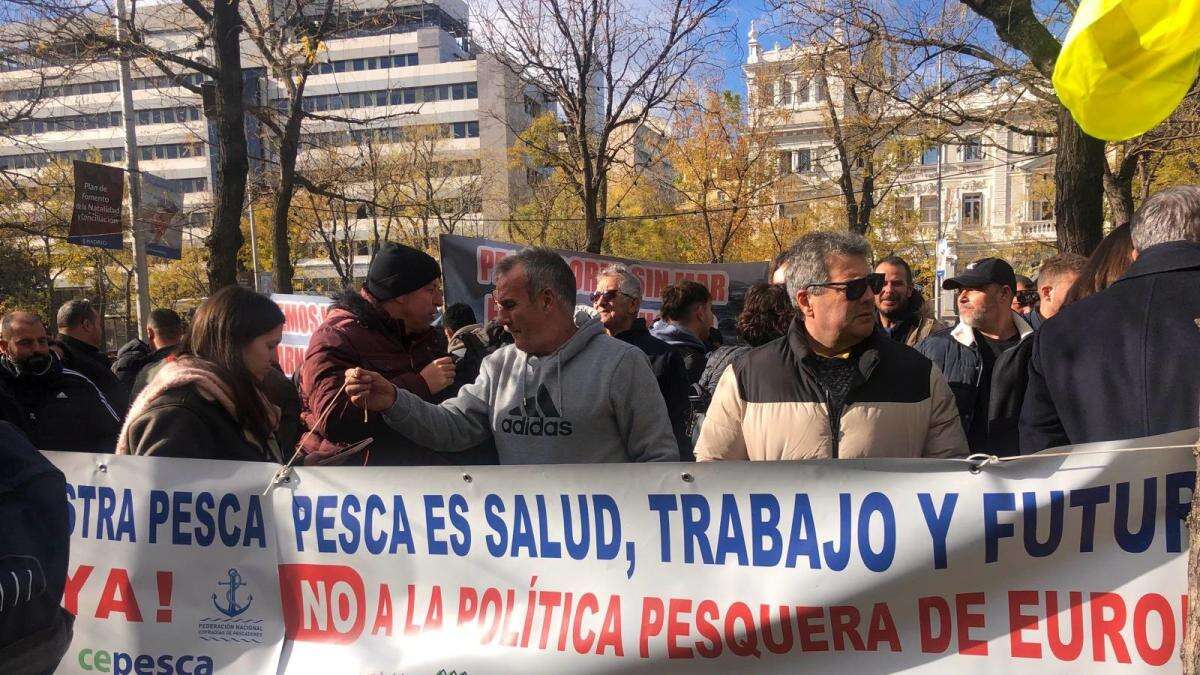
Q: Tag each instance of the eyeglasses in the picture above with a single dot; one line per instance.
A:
(609, 295)
(855, 288)
(1027, 298)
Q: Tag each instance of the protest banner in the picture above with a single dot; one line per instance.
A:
(1040, 565)
(96, 215)
(161, 217)
(468, 267)
(302, 314)
(173, 566)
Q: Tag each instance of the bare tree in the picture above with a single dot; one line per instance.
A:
(608, 64)
(1005, 49)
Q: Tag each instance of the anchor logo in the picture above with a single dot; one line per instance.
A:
(232, 607)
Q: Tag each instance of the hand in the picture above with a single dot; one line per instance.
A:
(439, 374)
(369, 390)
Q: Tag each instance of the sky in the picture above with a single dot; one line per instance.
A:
(733, 56)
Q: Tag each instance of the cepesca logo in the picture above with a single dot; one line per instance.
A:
(120, 663)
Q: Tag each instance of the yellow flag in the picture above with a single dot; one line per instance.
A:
(1126, 64)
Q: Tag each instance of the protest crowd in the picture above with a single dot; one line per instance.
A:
(838, 356)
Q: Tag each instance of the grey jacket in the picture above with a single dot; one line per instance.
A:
(594, 400)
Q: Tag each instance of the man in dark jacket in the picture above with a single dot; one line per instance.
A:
(81, 338)
(985, 358)
(384, 327)
(903, 314)
(164, 330)
(1122, 363)
(35, 543)
(618, 298)
(687, 320)
(59, 408)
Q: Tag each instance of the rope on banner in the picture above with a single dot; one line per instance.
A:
(283, 475)
(979, 460)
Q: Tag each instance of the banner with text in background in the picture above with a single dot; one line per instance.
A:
(469, 264)
(1041, 565)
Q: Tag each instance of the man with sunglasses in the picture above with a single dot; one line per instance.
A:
(985, 357)
(833, 387)
(617, 299)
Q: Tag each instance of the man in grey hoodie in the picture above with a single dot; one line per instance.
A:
(559, 395)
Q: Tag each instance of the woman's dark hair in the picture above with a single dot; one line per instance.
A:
(1107, 264)
(224, 324)
(765, 315)
(679, 300)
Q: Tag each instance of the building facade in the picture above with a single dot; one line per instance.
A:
(392, 67)
(987, 190)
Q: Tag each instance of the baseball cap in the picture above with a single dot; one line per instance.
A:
(981, 273)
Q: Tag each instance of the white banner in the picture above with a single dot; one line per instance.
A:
(173, 566)
(1041, 565)
(302, 315)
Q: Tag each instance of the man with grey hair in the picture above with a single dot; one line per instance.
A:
(82, 339)
(1122, 363)
(560, 394)
(618, 299)
(832, 387)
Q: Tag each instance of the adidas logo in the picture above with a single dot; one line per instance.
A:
(61, 394)
(539, 417)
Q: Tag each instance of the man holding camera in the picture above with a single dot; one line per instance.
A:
(986, 357)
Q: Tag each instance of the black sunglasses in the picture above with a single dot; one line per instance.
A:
(609, 296)
(855, 288)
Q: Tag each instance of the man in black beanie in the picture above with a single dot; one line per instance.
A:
(385, 326)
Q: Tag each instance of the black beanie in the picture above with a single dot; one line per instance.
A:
(398, 269)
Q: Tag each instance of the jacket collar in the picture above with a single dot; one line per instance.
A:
(1169, 257)
(77, 344)
(965, 335)
(638, 327)
(865, 354)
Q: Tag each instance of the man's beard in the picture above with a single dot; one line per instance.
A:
(901, 312)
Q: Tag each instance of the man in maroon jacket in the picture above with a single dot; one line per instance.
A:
(384, 327)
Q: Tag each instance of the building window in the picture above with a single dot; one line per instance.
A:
(785, 162)
(802, 90)
(929, 209)
(930, 155)
(802, 162)
(906, 211)
(766, 94)
(972, 209)
(1037, 145)
(785, 93)
(972, 149)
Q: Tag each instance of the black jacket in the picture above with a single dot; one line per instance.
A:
(672, 378)
(1121, 363)
(957, 355)
(62, 410)
(718, 360)
(145, 371)
(34, 548)
(180, 422)
(95, 366)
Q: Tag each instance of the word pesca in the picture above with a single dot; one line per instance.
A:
(120, 663)
(181, 518)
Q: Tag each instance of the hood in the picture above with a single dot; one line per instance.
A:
(366, 313)
(964, 335)
(585, 334)
(676, 335)
(134, 346)
(196, 372)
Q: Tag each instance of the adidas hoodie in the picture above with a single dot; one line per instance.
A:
(593, 400)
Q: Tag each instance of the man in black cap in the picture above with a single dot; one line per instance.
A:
(986, 357)
(385, 327)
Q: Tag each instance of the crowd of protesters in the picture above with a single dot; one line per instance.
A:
(838, 356)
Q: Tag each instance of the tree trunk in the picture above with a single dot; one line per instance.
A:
(1189, 652)
(1078, 181)
(1118, 187)
(289, 146)
(229, 194)
(593, 219)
